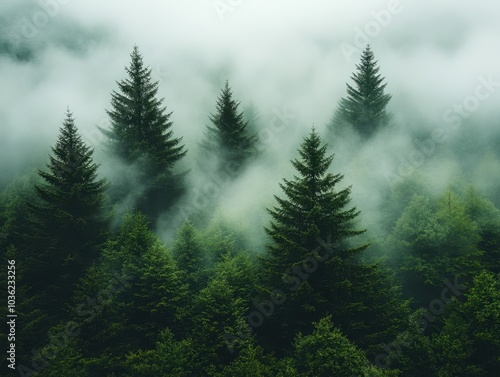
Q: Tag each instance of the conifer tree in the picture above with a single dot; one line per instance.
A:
(141, 134)
(190, 257)
(327, 352)
(140, 126)
(435, 244)
(68, 219)
(310, 257)
(228, 137)
(138, 293)
(469, 342)
(218, 311)
(364, 107)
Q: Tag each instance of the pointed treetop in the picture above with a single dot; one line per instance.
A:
(140, 126)
(228, 137)
(364, 107)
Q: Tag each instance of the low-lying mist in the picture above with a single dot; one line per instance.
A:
(289, 61)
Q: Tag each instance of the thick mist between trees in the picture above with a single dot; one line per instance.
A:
(206, 159)
(428, 71)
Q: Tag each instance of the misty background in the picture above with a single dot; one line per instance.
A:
(288, 59)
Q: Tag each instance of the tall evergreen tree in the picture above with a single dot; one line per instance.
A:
(319, 279)
(141, 133)
(364, 107)
(228, 137)
(435, 244)
(69, 221)
(190, 257)
(327, 352)
(132, 294)
(469, 342)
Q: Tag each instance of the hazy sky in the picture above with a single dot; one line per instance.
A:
(283, 55)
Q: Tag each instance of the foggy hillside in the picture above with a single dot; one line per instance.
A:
(197, 156)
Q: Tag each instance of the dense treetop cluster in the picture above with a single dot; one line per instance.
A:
(99, 294)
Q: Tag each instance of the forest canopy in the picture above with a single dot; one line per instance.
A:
(151, 255)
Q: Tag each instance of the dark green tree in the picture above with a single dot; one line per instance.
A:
(58, 236)
(364, 107)
(311, 260)
(328, 352)
(469, 342)
(191, 258)
(433, 244)
(68, 220)
(487, 218)
(175, 358)
(228, 137)
(218, 311)
(133, 294)
(141, 134)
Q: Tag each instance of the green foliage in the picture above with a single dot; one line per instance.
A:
(217, 311)
(399, 197)
(364, 107)
(14, 210)
(141, 135)
(55, 232)
(411, 352)
(251, 361)
(327, 352)
(487, 220)
(221, 238)
(322, 278)
(69, 219)
(139, 291)
(312, 209)
(435, 243)
(418, 226)
(314, 303)
(170, 356)
(228, 137)
(140, 126)
(62, 355)
(469, 343)
(191, 258)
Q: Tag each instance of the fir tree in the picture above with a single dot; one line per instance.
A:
(68, 219)
(140, 126)
(66, 223)
(134, 293)
(434, 244)
(228, 137)
(469, 342)
(327, 352)
(364, 107)
(141, 134)
(311, 259)
(190, 257)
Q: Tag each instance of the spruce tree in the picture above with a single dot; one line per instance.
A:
(190, 257)
(228, 137)
(132, 294)
(364, 107)
(141, 134)
(327, 352)
(472, 330)
(68, 221)
(311, 260)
